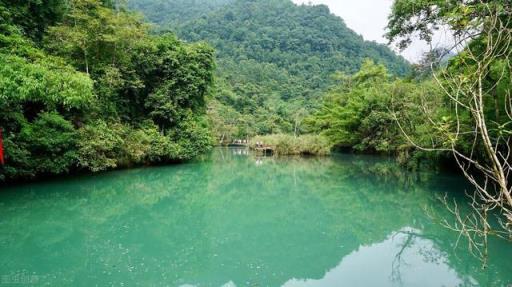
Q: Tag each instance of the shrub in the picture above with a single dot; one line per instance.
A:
(109, 145)
(45, 146)
(100, 145)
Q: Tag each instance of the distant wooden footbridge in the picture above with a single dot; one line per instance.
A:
(259, 147)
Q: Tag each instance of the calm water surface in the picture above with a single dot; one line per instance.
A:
(232, 219)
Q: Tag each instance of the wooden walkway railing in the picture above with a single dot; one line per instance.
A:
(259, 146)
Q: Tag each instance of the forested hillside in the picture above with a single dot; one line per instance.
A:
(275, 58)
(169, 14)
(84, 86)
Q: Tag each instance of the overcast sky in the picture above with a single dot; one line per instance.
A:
(369, 18)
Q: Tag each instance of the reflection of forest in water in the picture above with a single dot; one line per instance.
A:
(234, 217)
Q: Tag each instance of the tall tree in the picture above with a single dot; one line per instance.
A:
(477, 84)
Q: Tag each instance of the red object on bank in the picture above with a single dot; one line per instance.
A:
(1, 149)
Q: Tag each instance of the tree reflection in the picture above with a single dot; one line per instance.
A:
(233, 217)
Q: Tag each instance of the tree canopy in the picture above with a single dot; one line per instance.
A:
(91, 89)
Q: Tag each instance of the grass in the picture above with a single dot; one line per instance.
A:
(283, 144)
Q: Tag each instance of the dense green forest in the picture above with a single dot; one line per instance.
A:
(433, 106)
(170, 14)
(275, 59)
(85, 86)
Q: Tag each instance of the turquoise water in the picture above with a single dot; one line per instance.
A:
(232, 219)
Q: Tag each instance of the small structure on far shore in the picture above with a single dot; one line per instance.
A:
(263, 148)
(259, 147)
(239, 143)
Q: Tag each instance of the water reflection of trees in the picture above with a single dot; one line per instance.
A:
(409, 237)
(195, 223)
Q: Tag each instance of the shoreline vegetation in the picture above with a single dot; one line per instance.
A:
(86, 86)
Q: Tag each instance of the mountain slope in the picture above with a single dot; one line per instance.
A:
(275, 59)
(172, 13)
(299, 38)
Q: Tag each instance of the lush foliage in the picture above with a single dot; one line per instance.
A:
(360, 112)
(371, 111)
(481, 27)
(275, 58)
(90, 88)
(169, 14)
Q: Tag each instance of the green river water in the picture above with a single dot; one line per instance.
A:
(232, 219)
